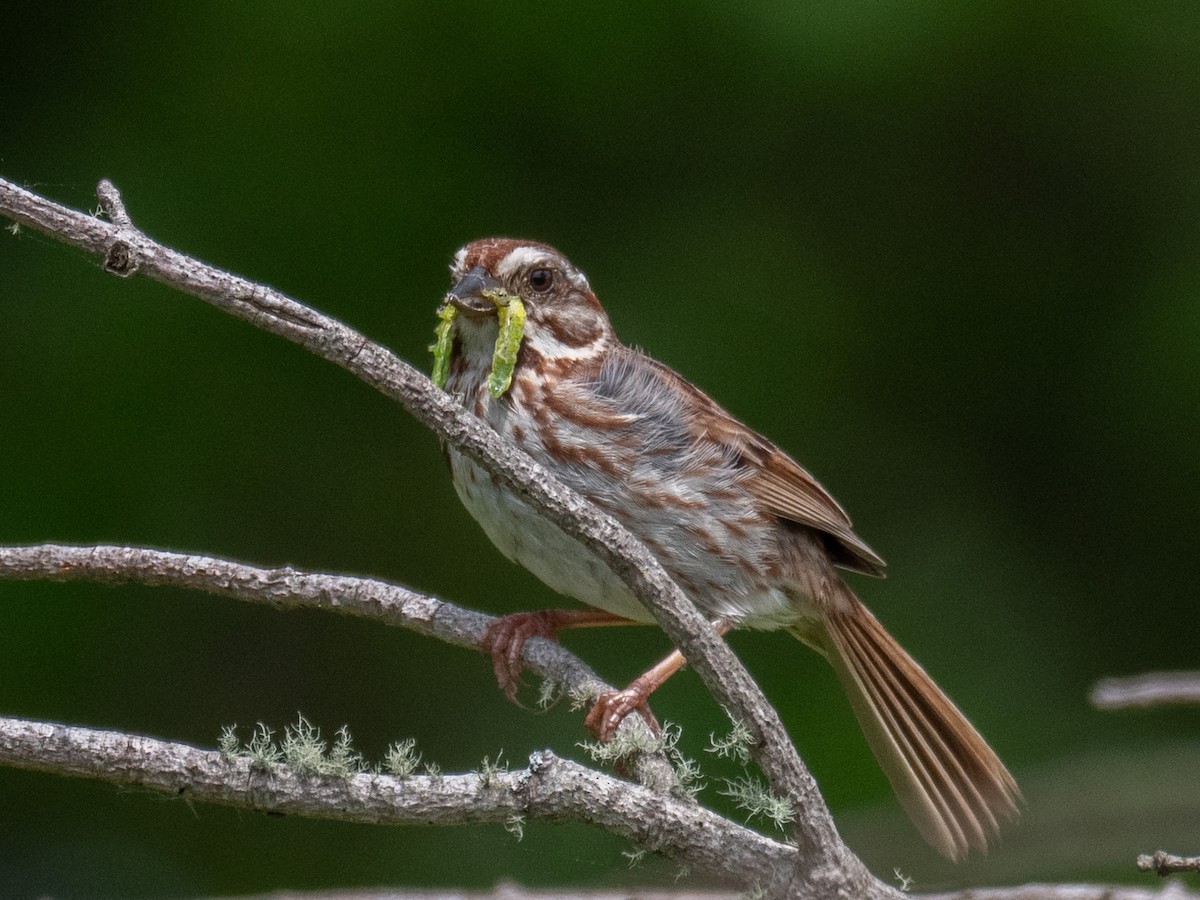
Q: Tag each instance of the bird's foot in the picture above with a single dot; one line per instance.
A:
(505, 641)
(505, 638)
(612, 707)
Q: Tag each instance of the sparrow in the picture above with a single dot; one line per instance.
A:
(749, 535)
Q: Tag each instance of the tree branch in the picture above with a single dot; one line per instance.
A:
(1167, 863)
(509, 891)
(1150, 689)
(550, 789)
(285, 587)
(1171, 891)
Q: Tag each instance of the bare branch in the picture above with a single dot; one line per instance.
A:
(509, 891)
(1165, 863)
(1067, 892)
(288, 588)
(1150, 689)
(506, 890)
(828, 862)
(112, 204)
(551, 789)
(284, 587)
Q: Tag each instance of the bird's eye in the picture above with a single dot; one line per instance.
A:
(541, 280)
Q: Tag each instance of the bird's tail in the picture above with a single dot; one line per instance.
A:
(947, 778)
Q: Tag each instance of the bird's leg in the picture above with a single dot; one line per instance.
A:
(505, 638)
(612, 707)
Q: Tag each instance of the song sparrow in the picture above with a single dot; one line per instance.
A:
(748, 534)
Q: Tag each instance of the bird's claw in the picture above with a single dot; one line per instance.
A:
(612, 707)
(505, 641)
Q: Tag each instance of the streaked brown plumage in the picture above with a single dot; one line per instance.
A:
(748, 534)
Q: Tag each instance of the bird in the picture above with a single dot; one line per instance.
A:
(749, 535)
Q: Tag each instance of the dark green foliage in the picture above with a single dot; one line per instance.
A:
(945, 254)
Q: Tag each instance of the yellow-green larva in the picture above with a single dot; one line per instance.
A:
(508, 344)
(511, 314)
(442, 344)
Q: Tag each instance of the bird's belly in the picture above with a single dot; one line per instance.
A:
(527, 538)
(569, 568)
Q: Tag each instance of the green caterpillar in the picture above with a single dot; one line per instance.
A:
(511, 313)
(442, 344)
(508, 343)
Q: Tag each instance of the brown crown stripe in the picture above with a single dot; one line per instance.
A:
(490, 252)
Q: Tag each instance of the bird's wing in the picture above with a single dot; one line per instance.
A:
(784, 487)
(788, 490)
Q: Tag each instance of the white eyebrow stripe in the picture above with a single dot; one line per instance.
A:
(526, 257)
(460, 260)
(520, 257)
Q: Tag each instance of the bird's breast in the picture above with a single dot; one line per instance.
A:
(529, 539)
(688, 511)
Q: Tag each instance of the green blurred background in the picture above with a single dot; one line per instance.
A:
(945, 254)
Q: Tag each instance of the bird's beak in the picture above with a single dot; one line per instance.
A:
(473, 292)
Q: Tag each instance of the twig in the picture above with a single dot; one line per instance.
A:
(1165, 863)
(1140, 692)
(828, 865)
(550, 788)
(1150, 689)
(112, 204)
(1067, 892)
(284, 587)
